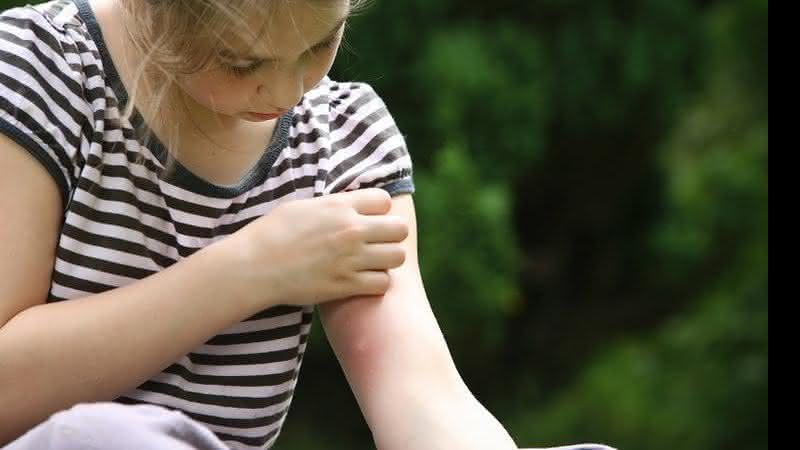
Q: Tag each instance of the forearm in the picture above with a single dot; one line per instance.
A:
(439, 422)
(404, 378)
(389, 361)
(396, 360)
(53, 356)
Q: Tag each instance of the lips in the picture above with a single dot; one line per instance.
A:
(265, 116)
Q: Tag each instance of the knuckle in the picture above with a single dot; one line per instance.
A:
(335, 201)
(353, 232)
(405, 229)
(377, 192)
(380, 197)
(385, 199)
(384, 280)
(401, 258)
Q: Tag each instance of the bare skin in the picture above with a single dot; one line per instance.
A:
(220, 141)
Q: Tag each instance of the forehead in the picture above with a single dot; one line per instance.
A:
(287, 28)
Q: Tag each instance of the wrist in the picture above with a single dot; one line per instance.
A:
(234, 275)
(442, 420)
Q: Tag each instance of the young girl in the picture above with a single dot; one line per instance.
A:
(182, 184)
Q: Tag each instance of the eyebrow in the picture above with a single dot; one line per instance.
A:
(231, 55)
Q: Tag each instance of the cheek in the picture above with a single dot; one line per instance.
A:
(317, 72)
(215, 92)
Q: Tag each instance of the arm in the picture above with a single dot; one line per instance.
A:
(94, 348)
(396, 360)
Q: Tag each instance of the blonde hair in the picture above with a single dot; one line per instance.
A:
(197, 31)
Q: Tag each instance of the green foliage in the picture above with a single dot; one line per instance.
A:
(618, 64)
(717, 160)
(468, 247)
(507, 102)
(701, 381)
(490, 81)
(698, 383)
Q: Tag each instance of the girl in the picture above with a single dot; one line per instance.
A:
(182, 185)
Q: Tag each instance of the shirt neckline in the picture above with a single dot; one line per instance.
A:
(182, 176)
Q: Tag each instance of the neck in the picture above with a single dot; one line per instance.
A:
(197, 116)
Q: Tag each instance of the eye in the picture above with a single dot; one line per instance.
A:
(328, 45)
(325, 47)
(242, 72)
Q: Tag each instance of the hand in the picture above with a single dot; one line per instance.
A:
(319, 250)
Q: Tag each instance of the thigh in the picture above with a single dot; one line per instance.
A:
(574, 447)
(101, 426)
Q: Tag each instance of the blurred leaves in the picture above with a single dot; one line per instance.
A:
(467, 246)
(592, 201)
(493, 82)
(699, 382)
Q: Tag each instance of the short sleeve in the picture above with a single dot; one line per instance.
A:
(368, 150)
(40, 95)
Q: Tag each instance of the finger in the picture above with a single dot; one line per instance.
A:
(373, 282)
(385, 229)
(381, 257)
(369, 202)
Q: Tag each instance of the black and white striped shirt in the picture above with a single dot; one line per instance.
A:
(60, 99)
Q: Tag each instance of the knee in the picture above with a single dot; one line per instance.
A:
(111, 425)
(577, 447)
(589, 447)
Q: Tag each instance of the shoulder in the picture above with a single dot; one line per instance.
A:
(46, 59)
(334, 114)
(44, 104)
(350, 111)
(43, 66)
(43, 22)
(341, 101)
(60, 13)
(41, 40)
(359, 143)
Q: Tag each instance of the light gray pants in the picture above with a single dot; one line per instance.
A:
(113, 426)
(106, 426)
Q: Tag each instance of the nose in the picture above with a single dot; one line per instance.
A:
(283, 91)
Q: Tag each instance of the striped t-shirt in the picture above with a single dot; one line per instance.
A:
(60, 99)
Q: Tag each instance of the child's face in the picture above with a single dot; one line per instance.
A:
(249, 82)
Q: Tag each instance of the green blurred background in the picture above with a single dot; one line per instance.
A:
(592, 199)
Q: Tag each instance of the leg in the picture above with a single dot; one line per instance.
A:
(575, 447)
(101, 426)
